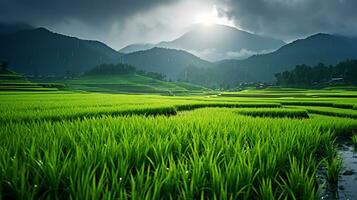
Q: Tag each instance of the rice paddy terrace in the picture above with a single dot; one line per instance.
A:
(11, 81)
(257, 144)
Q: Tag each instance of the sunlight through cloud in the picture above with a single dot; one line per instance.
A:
(211, 17)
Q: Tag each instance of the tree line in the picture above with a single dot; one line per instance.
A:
(319, 75)
(112, 69)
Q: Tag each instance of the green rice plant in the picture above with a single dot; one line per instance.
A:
(141, 147)
(318, 104)
(334, 167)
(135, 157)
(333, 112)
(82, 113)
(307, 103)
(299, 182)
(280, 112)
(340, 127)
(73, 107)
(193, 106)
(354, 140)
(266, 190)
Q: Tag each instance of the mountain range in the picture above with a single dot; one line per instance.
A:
(216, 42)
(40, 51)
(318, 48)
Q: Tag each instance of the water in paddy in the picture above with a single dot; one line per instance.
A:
(347, 184)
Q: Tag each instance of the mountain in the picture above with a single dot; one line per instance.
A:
(319, 48)
(136, 47)
(170, 62)
(217, 42)
(324, 48)
(40, 51)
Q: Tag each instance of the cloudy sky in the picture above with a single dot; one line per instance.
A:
(121, 22)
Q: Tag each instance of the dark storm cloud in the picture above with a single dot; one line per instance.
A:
(289, 19)
(121, 22)
(87, 11)
(103, 20)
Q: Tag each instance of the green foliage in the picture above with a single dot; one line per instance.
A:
(136, 157)
(156, 75)
(306, 76)
(193, 106)
(11, 81)
(129, 83)
(299, 182)
(58, 112)
(111, 69)
(266, 190)
(354, 140)
(289, 113)
(169, 62)
(113, 146)
(318, 103)
(334, 167)
(333, 112)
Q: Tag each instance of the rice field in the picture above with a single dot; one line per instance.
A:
(70, 145)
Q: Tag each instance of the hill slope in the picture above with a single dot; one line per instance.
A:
(328, 49)
(166, 61)
(40, 51)
(131, 83)
(11, 81)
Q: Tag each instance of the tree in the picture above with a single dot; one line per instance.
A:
(111, 69)
(155, 75)
(306, 76)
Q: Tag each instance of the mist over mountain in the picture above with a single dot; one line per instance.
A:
(136, 47)
(40, 51)
(216, 42)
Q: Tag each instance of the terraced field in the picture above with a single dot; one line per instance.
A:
(130, 83)
(14, 82)
(116, 146)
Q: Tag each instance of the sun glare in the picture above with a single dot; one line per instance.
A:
(211, 17)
